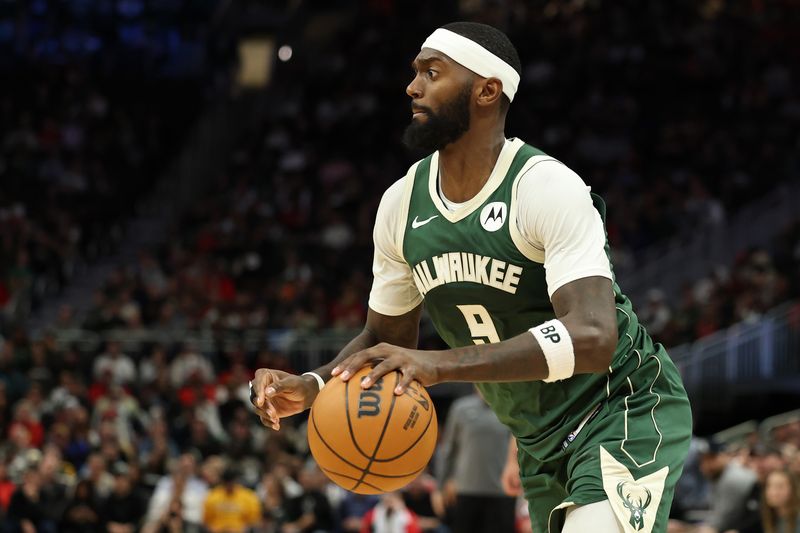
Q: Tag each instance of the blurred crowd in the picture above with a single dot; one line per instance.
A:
(758, 280)
(285, 235)
(74, 151)
(88, 120)
(161, 442)
(747, 485)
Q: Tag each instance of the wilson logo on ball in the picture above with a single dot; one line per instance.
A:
(369, 401)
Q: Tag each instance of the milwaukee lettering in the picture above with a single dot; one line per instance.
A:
(369, 401)
(455, 267)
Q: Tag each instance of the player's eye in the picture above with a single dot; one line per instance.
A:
(430, 73)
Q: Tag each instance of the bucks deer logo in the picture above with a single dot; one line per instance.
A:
(635, 498)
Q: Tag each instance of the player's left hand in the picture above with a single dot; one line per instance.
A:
(412, 364)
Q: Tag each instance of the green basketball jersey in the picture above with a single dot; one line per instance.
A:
(480, 287)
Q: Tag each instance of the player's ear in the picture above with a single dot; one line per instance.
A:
(491, 90)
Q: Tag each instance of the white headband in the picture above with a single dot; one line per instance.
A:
(475, 57)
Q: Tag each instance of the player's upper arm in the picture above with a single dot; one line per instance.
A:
(393, 290)
(556, 214)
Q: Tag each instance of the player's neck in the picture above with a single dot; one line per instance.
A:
(465, 165)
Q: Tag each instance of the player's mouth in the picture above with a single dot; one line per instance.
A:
(417, 112)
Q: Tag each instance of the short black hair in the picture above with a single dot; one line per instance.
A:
(490, 38)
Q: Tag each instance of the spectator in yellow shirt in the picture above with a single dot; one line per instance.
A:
(231, 507)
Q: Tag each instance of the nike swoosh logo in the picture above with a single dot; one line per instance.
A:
(418, 223)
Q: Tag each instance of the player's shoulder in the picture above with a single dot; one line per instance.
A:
(393, 196)
(546, 172)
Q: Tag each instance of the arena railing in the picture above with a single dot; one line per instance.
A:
(749, 357)
(669, 265)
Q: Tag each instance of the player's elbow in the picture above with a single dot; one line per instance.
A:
(595, 348)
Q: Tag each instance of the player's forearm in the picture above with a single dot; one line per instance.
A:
(520, 358)
(515, 359)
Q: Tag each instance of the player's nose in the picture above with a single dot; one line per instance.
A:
(413, 89)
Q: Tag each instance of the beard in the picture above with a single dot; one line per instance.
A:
(442, 128)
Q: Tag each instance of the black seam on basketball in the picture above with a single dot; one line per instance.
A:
(334, 452)
(366, 471)
(349, 424)
(421, 434)
(352, 478)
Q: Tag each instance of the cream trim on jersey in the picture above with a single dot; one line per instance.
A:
(509, 150)
(392, 276)
(405, 205)
(523, 245)
(562, 505)
(652, 415)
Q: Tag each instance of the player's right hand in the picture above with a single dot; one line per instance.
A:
(277, 394)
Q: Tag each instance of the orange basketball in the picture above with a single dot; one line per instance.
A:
(372, 441)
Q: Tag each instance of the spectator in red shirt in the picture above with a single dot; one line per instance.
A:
(390, 515)
(6, 487)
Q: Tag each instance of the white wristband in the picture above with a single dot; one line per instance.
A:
(557, 348)
(320, 381)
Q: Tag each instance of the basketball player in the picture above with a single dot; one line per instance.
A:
(506, 248)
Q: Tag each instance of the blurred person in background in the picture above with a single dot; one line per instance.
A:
(96, 472)
(181, 489)
(82, 513)
(27, 509)
(471, 466)
(119, 414)
(212, 470)
(423, 497)
(311, 511)
(58, 480)
(172, 520)
(7, 488)
(733, 498)
(390, 515)
(156, 448)
(230, 507)
(780, 503)
(189, 362)
(122, 511)
(353, 508)
(274, 499)
(113, 360)
(693, 488)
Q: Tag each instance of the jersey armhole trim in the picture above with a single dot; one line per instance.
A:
(524, 245)
(405, 204)
(575, 276)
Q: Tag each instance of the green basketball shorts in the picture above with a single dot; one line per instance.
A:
(630, 452)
